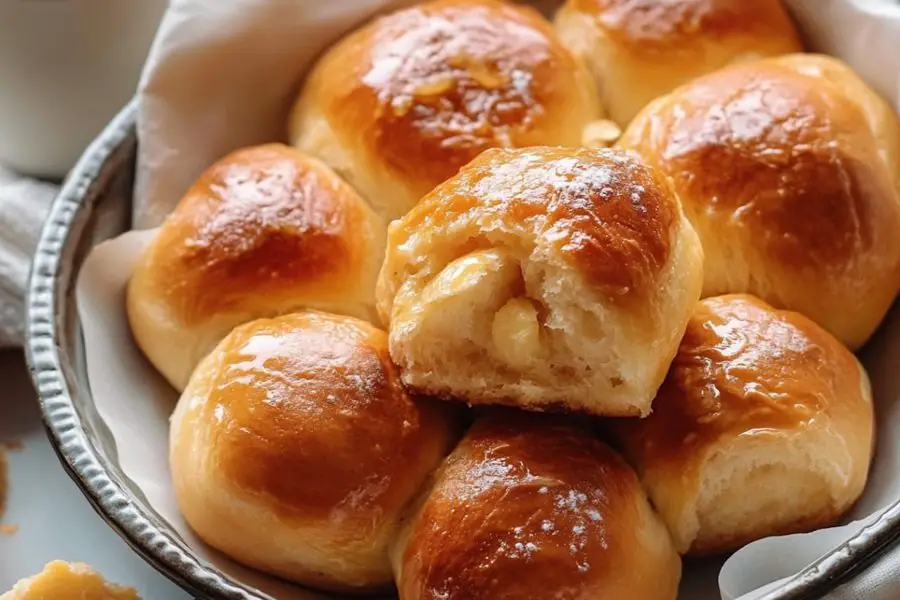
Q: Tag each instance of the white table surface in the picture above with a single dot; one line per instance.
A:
(54, 520)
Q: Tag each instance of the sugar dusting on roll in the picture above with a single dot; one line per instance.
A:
(542, 278)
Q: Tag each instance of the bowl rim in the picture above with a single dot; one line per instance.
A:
(52, 373)
(54, 379)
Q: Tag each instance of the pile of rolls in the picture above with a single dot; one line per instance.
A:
(449, 341)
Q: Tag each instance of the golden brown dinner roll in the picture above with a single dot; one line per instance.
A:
(265, 231)
(528, 508)
(295, 447)
(640, 49)
(763, 426)
(789, 169)
(543, 278)
(68, 581)
(401, 104)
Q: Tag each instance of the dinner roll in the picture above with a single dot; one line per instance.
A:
(789, 169)
(763, 426)
(401, 104)
(640, 49)
(530, 508)
(545, 278)
(295, 447)
(264, 231)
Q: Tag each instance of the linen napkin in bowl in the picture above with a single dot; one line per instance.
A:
(23, 206)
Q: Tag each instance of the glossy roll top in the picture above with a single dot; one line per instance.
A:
(789, 169)
(640, 49)
(763, 426)
(295, 447)
(264, 231)
(534, 507)
(401, 104)
(543, 278)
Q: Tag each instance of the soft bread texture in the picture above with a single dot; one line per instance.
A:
(543, 278)
(529, 508)
(640, 49)
(295, 447)
(789, 169)
(264, 231)
(763, 426)
(401, 104)
(68, 581)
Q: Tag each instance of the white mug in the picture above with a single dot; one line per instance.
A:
(66, 67)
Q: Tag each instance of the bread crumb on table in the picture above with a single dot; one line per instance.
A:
(63, 581)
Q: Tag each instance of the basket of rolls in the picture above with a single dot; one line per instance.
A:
(477, 299)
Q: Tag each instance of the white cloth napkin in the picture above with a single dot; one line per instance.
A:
(23, 205)
(881, 581)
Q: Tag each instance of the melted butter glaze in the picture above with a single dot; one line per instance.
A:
(524, 506)
(670, 25)
(761, 148)
(309, 416)
(261, 218)
(744, 369)
(437, 84)
(607, 213)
